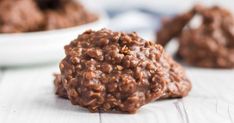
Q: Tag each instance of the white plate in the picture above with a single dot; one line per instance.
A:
(45, 46)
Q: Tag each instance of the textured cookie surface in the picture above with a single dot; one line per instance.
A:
(105, 70)
(211, 44)
(19, 16)
(66, 14)
(37, 15)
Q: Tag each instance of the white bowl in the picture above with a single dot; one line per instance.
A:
(45, 46)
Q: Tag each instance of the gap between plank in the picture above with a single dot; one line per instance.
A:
(186, 113)
(229, 114)
(100, 117)
(179, 105)
(2, 72)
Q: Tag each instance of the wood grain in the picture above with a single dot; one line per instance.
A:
(157, 112)
(208, 83)
(26, 95)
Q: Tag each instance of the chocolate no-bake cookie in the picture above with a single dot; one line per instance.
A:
(19, 16)
(210, 44)
(37, 15)
(68, 14)
(105, 70)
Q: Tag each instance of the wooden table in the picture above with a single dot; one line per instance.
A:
(26, 96)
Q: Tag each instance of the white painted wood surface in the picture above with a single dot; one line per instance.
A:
(26, 96)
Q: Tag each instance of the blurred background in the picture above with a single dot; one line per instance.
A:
(141, 16)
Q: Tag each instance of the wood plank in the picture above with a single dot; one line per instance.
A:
(186, 110)
(157, 112)
(26, 95)
(211, 83)
(204, 110)
(212, 95)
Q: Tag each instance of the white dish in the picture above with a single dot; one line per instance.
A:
(45, 46)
